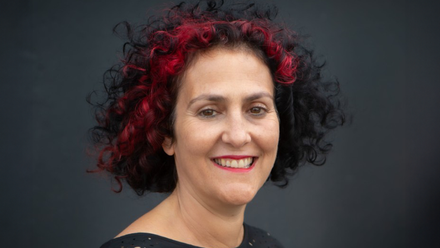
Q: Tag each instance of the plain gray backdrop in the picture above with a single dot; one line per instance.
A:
(380, 187)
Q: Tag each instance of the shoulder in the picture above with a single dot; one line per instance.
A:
(256, 237)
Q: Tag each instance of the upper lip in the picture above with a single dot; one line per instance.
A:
(233, 157)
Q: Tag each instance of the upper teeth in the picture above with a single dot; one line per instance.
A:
(234, 163)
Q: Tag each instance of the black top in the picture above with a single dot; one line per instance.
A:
(253, 238)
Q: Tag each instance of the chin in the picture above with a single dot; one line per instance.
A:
(239, 196)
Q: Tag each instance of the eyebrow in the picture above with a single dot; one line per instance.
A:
(219, 98)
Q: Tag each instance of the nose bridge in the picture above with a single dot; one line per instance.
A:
(236, 130)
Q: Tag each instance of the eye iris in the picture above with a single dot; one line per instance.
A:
(208, 112)
(255, 110)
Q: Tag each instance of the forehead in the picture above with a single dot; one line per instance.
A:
(222, 69)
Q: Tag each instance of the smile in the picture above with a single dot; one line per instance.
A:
(235, 163)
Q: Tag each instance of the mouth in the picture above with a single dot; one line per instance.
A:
(243, 163)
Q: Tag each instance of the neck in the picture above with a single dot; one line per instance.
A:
(207, 224)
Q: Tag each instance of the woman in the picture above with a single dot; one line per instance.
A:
(209, 103)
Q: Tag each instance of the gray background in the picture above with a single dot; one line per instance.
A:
(380, 187)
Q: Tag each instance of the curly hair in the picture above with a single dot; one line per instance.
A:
(141, 91)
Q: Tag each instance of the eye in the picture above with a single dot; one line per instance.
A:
(257, 111)
(207, 113)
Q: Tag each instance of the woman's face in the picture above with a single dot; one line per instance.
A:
(226, 127)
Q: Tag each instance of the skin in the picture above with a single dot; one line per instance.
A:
(225, 108)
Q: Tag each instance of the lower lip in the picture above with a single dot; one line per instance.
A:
(236, 170)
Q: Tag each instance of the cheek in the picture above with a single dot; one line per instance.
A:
(269, 135)
(196, 137)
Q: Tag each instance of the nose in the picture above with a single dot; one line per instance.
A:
(236, 130)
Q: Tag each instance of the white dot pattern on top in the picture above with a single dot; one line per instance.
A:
(253, 238)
